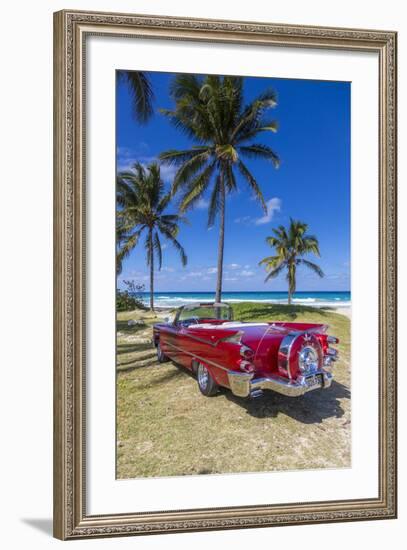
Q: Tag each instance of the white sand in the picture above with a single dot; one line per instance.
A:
(344, 311)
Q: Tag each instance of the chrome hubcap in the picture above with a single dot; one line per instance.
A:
(203, 376)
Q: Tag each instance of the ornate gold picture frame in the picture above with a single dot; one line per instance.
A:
(71, 30)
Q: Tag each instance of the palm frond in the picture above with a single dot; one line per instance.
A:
(254, 186)
(189, 169)
(197, 187)
(175, 157)
(257, 150)
(275, 272)
(142, 94)
(175, 243)
(314, 267)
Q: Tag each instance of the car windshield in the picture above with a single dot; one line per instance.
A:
(211, 311)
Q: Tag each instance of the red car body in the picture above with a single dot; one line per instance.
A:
(246, 357)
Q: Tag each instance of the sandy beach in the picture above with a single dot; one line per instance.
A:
(347, 311)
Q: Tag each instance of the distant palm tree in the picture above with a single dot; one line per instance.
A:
(210, 111)
(142, 203)
(291, 245)
(142, 94)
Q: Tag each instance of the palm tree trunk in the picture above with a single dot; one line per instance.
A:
(151, 259)
(221, 244)
(291, 282)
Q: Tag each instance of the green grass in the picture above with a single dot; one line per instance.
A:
(165, 427)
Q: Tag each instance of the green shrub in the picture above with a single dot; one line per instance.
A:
(131, 298)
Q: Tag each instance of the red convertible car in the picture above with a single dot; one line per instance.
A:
(246, 357)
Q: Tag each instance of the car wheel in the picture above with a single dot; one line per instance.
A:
(162, 358)
(206, 383)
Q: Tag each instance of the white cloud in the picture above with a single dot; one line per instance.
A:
(202, 204)
(167, 172)
(234, 266)
(246, 273)
(273, 205)
(126, 158)
(337, 276)
(212, 270)
(244, 219)
(231, 279)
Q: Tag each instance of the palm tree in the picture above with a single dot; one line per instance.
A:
(291, 244)
(142, 203)
(210, 111)
(141, 92)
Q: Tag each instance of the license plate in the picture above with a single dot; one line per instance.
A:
(314, 381)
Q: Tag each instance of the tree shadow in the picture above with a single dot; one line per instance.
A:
(165, 377)
(133, 348)
(311, 408)
(135, 365)
(124, 327)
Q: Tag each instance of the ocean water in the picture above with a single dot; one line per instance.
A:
(315, 299)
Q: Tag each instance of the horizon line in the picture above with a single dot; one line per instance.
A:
(240, 291)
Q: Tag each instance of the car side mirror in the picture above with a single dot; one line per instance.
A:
(166, 319)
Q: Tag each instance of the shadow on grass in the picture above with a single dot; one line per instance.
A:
(165, 377)
(136, 365)
(125, 328)
(311, 408)
(273, 311)
(133, 348)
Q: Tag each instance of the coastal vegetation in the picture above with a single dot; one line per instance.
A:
(143, 203)
(291, 244)
(131, 298)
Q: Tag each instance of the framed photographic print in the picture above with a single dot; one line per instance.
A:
(225, 274)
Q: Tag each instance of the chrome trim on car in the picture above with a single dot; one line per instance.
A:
(328, 361)
(333, 353)
(285, 349)
(332, 340)
(239, 383)
(242, 385)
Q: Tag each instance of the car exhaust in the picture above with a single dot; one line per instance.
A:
(256, 393)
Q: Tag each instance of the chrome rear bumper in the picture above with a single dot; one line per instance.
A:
(242, 384)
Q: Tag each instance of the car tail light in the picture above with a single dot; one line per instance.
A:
(245, 366)
(332, 340)
(246, 352)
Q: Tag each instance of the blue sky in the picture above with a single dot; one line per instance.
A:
(312, 184)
